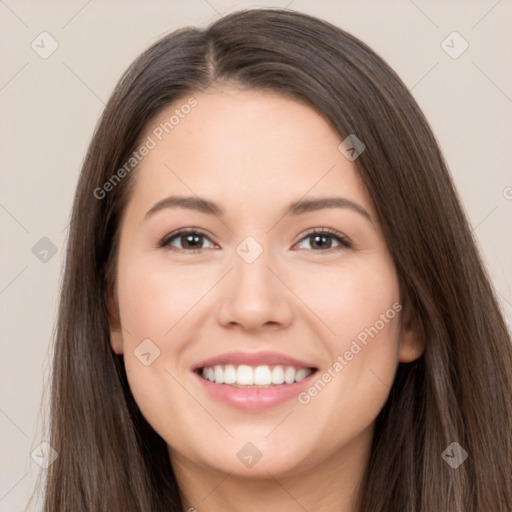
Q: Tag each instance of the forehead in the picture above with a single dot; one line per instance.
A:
(244, 147)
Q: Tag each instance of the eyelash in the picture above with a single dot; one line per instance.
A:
(343, 241)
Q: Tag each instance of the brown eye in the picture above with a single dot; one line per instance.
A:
(322, 240)
(188, 240)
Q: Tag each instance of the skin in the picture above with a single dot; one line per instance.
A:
(254, 152)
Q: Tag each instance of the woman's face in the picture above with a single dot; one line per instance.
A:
(313, 321)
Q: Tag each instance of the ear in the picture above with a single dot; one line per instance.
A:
(116, 338)
(412, 344)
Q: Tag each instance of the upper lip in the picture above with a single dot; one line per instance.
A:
(252, 359)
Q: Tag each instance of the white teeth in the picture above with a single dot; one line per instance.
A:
(300, 375)
(219, 374)
(263, 375)
(277, 375)
(289, 375)
(229, 374)
(244, 375)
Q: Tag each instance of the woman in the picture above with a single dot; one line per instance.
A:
(272, 298)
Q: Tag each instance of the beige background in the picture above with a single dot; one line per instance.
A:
(49, 108)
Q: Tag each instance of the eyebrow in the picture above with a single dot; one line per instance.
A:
(295, 208)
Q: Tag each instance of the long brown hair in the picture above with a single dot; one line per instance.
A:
(459, 390)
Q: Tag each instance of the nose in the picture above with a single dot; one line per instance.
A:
(254, 296)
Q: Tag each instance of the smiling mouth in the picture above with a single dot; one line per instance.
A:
(261, 376)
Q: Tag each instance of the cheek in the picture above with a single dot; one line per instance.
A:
(154, 299)
(153, 302)
(364, 313)
(352, 298)
(361, 307)
(156, 305)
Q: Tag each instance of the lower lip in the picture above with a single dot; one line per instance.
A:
(254, 398)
